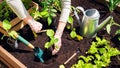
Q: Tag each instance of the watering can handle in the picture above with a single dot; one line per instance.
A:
(76, 14)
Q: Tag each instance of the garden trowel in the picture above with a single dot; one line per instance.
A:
(38, 52)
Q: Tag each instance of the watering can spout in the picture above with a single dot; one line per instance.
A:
(103, 23)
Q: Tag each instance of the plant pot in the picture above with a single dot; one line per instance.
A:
(17, 23)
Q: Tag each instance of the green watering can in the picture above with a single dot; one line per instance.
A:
(89, 24)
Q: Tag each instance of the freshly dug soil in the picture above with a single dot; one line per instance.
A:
(69, 46)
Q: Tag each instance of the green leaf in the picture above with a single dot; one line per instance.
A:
(88, 65)
(92, 50)
(61, 66)
(97, 56)
(117, 32)
(55, 40)
(47, 45)
(12, 33)
(53, 14)
(44, 13)
(100, 63)
(50, 32)
(73, 34)
(98, 39)
(79, 37)
(108, 28)
(85, 58)
(102, 50)
(6, 25)
(49, 19)
(70, 20)
(119, 38)
(53, 10)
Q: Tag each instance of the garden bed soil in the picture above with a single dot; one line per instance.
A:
(69, 46)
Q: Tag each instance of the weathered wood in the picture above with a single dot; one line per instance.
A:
(17, 23)
(10, 60)
(5, 56)
(13, 22)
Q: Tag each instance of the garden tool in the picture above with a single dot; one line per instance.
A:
(89, 24)
(38, 51)
(78, 51)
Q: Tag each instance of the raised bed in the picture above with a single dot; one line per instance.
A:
(25, 55)
(9, 60)
(17, 23)
(5, 57)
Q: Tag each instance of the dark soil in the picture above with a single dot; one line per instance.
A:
(69, 46)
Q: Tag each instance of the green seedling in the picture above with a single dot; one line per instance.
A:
(113, 4)
(98, 56)
(50, 34)
(7, 13)
(48, 11)
(73, 35)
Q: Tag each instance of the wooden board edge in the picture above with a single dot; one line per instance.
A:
(10, 60)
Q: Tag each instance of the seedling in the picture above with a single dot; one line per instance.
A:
(98, 55)
(50, 34)
(113, 4)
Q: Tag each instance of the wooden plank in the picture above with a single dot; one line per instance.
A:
(17, 20)
(17, 23)
(22, 24)
(10, 60)
(3, 31)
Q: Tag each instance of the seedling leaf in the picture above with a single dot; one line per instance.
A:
(6, 25)
(50, 32)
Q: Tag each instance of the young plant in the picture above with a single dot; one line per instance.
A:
(73, 33)
(5, 11)
(118, 33)
(7, 26)
(112, 23)
(98, 56)
(113, 4)
(48, 11)
(50, 34)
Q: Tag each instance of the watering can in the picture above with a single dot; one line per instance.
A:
(89, 24)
